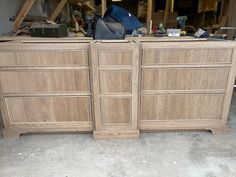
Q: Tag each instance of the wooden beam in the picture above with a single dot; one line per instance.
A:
(172, 6)
(149, 16)
(23, 12)
(231, 19)
(104, 6)
(166, 15)
(58, 10)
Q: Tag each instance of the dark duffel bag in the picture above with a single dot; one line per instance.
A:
(108, 29)
(126, 18)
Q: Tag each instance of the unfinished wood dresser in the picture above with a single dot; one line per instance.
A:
(115, 88)
(186, 85)
(45, 87)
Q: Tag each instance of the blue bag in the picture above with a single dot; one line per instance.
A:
(128, 20)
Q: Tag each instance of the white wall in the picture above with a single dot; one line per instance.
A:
(8, 8)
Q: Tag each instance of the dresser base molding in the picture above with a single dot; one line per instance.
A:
(224, 130)
(103, 135)
(11, 133)
(216, 127)
(16, 133)
(78, 126)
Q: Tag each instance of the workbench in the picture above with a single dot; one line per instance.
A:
(116, 89)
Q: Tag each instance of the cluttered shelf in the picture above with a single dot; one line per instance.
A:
(108, 19)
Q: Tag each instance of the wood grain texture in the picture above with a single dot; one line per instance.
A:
(45, 45)
(49, 109)
(184, 79)
(44, 58)
(108, 135)
(186, 56)
(230, 84)
(45, 81)
(149, 16)
(115, 81)
(23, 12)
(115, 87)
(115, 110)
(181, 107)
(186, 85)
(109, 58)
(45, 87)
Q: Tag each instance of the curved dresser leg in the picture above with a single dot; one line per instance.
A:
(220, 131)
(10, 133)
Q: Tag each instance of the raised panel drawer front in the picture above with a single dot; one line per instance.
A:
(112, 58)
(184, 78)
(44, 58)
(115, 81)
(45, 81)
(181, 107)
(186, 56)
(115, 110)
(48, 109)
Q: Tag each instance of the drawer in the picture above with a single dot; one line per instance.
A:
(44, 58)
(115, 110)
(48, 109)
(184, 78)
(112, 58)
(45, 81)
(115, 81)
(181, 107)
(186, 56)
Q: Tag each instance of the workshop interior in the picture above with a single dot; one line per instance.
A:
(115, 19)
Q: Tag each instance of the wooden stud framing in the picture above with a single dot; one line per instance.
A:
(23, 12)
(104, 6)
(58, 9)
(166, 14)
(149, 16)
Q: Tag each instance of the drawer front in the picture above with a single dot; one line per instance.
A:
(181, 107)
(44, 58)
(186, 56)
(115, 81)
(109, 58)
(184, 78)
(48, 109)
(45, 81)
(115, 110)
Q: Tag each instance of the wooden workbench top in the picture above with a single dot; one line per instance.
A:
(74, 39)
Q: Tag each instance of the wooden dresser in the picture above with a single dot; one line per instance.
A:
(116, 88)
(45, 87)
(186, 85)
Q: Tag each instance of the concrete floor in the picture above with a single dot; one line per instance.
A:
(172, 154)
